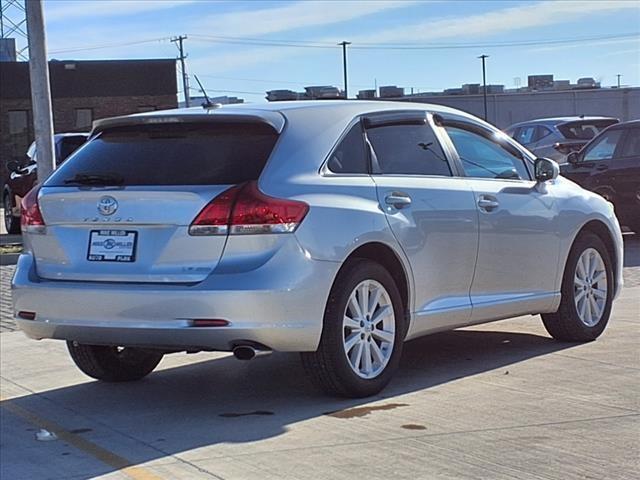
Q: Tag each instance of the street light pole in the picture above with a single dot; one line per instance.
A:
(344, 66)
(484, 83)
(40, 89)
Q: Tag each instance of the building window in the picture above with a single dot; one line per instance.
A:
(18, 122)
(84, 117)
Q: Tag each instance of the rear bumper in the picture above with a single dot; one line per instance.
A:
(279, 305)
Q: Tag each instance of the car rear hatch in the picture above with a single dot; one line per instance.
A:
(584, 130)
(119, 209)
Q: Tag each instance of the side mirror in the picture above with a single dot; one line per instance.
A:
(14, 166)
(573, 158)
(546, 169)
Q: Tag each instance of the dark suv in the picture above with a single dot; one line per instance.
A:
(23, 175)
(610, 165)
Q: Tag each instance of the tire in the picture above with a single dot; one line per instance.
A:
(329, 367)
(11, 222)
(111, 364)
(577, 319)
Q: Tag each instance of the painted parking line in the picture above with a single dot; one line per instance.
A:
(107, 457)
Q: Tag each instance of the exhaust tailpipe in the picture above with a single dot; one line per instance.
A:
(247, 352)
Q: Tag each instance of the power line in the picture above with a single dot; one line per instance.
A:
(279, 82)
(108, 45)
(407, 46)
(227, 91)
(361, 46)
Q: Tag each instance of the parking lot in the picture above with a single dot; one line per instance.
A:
(496, 401)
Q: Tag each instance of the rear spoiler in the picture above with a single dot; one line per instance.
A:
(271, 118)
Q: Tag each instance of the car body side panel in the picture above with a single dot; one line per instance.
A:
(578, 208)
(344, 214)
(438, 233)
(518, 248)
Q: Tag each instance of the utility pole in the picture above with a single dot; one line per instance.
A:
(484, 83)
(618, 75)
(40, 89)
(185, 78)
(344, 66)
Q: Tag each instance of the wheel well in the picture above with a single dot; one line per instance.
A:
(385, 256)
(600, 229)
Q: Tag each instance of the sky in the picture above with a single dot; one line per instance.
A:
(243, 48)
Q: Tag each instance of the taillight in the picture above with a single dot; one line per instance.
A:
(214, 218)
(31, 219)
(245, 210)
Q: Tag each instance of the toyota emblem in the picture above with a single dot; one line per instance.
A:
(107, 205)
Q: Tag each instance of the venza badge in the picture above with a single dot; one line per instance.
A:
(107, 205)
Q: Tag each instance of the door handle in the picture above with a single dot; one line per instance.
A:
(602, 167)
(487, 203)
(398, 200)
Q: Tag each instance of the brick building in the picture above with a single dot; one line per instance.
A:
(82, 91)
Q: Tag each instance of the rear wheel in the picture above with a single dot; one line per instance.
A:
(587, 293)
(362, 334)
(114, 364)
(11, 222)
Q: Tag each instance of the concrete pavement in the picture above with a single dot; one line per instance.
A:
(499, 401)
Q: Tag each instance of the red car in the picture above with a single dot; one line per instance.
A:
(23, 176)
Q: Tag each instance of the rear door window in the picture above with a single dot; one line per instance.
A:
(631, 146)
(541, 132)
(604, 147)
(172, 154)
(408, 150)
(526, 135)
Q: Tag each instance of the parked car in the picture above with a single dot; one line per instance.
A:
(23, 176)
(555, 138)
(338, 229)
(610, 166)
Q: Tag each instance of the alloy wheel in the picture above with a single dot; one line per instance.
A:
(590, 287)
(369, 329)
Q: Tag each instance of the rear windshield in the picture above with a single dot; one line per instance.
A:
(584, 129)
(171, 154)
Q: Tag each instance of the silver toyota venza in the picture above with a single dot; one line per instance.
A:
(338, 229)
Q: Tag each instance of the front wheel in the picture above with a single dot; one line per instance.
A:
(114, 364)
(362, 333)
(587, 293)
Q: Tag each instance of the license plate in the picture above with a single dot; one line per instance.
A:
(112, 246)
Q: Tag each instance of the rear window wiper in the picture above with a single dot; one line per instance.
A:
(95, 179)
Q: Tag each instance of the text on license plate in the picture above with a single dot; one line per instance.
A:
(112, 246)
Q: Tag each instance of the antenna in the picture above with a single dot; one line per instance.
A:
(207, 103)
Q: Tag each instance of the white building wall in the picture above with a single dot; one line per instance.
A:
(507, 109)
